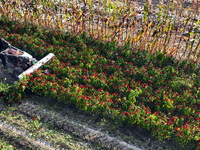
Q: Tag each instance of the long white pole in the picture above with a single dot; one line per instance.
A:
(36, 65)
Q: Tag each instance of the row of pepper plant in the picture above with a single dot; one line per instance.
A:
(155, 92)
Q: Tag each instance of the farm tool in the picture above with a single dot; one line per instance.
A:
(23, 62)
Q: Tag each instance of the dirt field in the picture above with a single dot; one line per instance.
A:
(43, 123)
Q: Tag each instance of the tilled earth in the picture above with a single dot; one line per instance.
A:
(43, 123)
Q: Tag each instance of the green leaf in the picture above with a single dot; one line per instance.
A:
(153, 117)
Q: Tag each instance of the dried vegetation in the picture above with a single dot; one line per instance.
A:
(168, 26)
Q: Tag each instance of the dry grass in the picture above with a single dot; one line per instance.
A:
(171, 27)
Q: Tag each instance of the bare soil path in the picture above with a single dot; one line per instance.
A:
(43, 123)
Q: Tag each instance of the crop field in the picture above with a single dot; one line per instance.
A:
(138, 66)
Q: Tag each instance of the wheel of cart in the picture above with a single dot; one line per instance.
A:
(17, 71)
